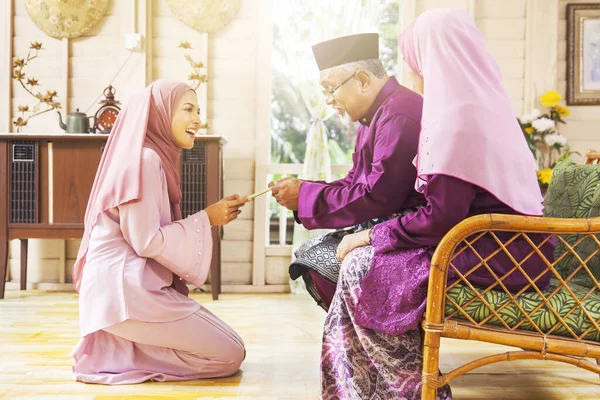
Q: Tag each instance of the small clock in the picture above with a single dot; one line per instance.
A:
(105, 117)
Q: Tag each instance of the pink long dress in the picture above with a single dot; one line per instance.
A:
(135, 325)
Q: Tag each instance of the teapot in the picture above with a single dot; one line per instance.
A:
(77, 122)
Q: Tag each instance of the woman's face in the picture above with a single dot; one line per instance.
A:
(186, 120)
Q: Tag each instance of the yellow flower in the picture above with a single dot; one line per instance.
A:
(551, 98)
(35, 46)
(185, 45)
(562, 111)
(545, 175)
(529, 130)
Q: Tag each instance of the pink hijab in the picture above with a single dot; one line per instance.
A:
(469, 130)
(145, 121)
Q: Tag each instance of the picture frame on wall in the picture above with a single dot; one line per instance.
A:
(583, 54)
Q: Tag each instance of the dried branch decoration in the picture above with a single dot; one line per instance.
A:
(197, 76)
(19, 65)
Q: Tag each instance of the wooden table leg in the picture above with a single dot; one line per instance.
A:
(3, 263)
(24, 243)
(218, 267)
(3, 215)
(215, 274)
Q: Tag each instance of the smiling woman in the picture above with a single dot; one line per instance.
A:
(138, 253)
(186, 120)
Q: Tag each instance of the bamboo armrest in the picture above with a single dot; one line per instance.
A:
(506, 223)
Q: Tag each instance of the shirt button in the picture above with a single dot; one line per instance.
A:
(199, 253)
(198, 230)
(195, 219)
(187, 276)
(180, 278)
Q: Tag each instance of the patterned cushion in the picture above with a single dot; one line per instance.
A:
(574, 193)
(562, 302)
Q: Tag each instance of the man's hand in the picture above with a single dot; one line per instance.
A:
(351, 242)
(286, 192)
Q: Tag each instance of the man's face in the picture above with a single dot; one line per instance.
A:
(343, 92)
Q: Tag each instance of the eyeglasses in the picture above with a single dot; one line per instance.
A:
(330, 93)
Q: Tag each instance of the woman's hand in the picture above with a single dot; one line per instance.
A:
(351, 242)
(226, 210)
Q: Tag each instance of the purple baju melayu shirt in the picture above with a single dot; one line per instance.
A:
(381, 181)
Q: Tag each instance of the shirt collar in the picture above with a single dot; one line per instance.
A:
(390, 86)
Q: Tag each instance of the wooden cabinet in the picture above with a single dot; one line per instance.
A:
(45, 182)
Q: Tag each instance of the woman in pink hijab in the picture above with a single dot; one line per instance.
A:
(137, 254)
(472, 159)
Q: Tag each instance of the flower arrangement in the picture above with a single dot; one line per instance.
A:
(47, 98)
(541, 133)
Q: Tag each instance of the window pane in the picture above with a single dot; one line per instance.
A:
(294, 30)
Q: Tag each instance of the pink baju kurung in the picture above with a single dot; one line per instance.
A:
(136, 321)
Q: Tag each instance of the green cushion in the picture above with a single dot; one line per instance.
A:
(574, 193)
(562, 302)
